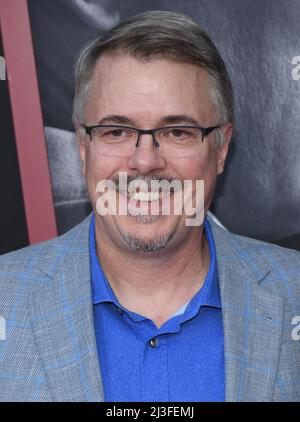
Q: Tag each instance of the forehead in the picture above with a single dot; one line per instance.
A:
(122, 84)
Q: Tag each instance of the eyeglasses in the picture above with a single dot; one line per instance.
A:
(172, 141)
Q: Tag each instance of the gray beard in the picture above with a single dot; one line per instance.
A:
(148, 245)
(145, 219)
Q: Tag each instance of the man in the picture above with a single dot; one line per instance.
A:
(136, 303)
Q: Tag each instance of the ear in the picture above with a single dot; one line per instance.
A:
(82, 147)
(222, 152)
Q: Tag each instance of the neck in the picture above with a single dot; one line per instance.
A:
(156, 284)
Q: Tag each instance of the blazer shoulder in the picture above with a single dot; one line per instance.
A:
(269, 248)
(261, 258)
(22, 269)
(275, 255)
(243, 245)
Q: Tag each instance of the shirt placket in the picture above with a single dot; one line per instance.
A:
(155, 380)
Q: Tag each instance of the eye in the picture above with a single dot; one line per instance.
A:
(116, 133)
(178, 133)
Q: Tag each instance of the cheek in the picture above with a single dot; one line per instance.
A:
(209, 171)
(98, 169)
(203, 167)
(101, 167)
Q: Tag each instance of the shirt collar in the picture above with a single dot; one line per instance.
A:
(208, 295)
(210, 292)
(101, 290)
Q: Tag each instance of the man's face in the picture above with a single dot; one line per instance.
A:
(145, 94)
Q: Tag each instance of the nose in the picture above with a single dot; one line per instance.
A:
(146, 157)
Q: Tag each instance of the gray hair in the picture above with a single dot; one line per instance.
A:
(152, 34)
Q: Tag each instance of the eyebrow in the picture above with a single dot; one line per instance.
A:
(173, 119)
(115, 118)
(179, 119)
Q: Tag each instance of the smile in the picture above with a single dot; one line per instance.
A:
(151, 196)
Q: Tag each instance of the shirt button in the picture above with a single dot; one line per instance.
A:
(153, 342)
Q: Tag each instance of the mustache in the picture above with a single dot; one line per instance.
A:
(161, 180)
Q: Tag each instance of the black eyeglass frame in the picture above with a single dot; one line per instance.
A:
(204, 130)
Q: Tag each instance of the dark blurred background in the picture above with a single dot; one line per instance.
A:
(259, 193)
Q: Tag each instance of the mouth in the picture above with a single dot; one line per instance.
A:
(138, 193)
(151, 196)
(150, 203)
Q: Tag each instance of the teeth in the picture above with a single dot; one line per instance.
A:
(137, 184)
(145, 196)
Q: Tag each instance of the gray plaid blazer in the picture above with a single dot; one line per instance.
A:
(47, 342)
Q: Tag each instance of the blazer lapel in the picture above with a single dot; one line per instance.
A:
(252, 319)
(62, 318)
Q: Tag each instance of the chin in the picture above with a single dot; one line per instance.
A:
(147, 233)
(138, 242)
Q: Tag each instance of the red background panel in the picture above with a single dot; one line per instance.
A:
(27, 119)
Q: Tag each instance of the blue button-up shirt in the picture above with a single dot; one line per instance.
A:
(185, 362)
